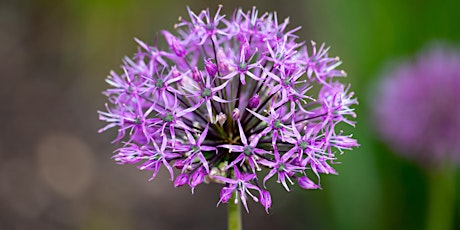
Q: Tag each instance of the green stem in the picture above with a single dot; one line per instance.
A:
(234, 214)
(441, 199)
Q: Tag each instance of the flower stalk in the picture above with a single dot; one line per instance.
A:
(234, 214)
(441, 199)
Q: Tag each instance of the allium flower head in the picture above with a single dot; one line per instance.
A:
(417, 107)
(227, 98)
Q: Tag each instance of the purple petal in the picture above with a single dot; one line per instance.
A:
(209, 108)
(163, 144)
(273, 76)
(265, 199)
(208, 148)
(295, 131)
(230, 75)
(240, 158)
(142, 44)
(166, 164)
(218, 88)
(243, 137)
(197, 178)
(259, 116)
(269, 175)
(204, 162)
(182, 179)
(237, 172)
(288, 154)
(275, 89)
(203, 135)
(225, 179)
(225, 195)
(191, 109)
(306, 183)
(190, 137)
(243, 81)
(253, 76)
(172, 80)
(267, 163)
(261, 151)
(218, 99)
(233, 148)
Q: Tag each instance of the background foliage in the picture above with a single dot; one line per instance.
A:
(56, 171)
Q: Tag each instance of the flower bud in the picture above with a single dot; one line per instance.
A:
(265, 199)
(245, 50)
(254, 101)
(221, 118)
(174, 44)
(197, 178)
(223, 61)
(189, 84)
(181, 180)
(236, 114)
(326, 168)
(179, 164)
(196, 75)
(211, 68)
(306, 183)
(175, 73)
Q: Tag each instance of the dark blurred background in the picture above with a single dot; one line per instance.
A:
(56, 171)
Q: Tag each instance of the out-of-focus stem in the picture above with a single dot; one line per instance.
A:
(441, 207)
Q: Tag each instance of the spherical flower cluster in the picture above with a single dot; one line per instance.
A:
(417, 107)
(227, 99)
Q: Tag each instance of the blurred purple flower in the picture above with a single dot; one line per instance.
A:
(417, 107)
(228, 97)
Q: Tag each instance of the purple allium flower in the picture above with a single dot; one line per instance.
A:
(417, 107)
(228, 98)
